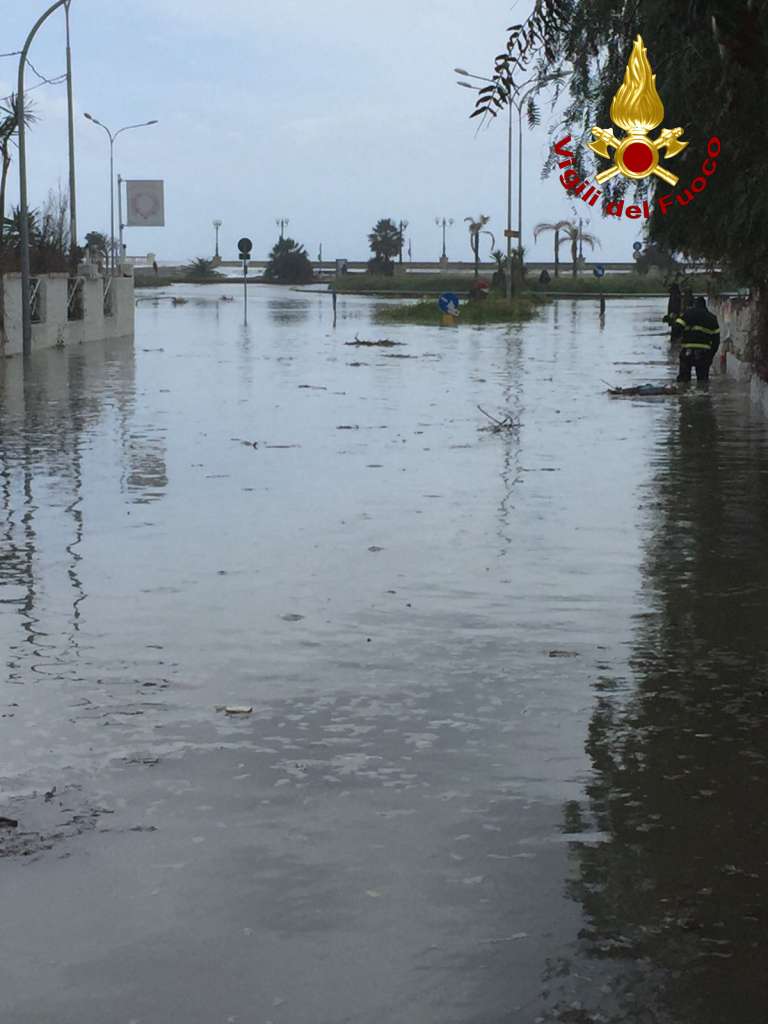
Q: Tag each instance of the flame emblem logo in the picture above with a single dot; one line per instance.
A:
(638, 109)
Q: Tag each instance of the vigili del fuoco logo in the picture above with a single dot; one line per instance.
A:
(636, 108)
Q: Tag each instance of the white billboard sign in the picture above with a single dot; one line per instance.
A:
(146, 204)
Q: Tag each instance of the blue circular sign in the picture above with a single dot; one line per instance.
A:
(598, 270)
(448, 302)
(637, 246)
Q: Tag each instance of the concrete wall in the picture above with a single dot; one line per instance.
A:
(55, 327)
(738, 319)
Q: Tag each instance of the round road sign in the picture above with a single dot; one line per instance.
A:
(245, 245)
(449, 302)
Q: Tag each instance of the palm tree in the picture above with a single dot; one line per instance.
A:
(557, 228)
(386, 241)
(9, 126)
(476, 228)
(201, 269)
(575, 234)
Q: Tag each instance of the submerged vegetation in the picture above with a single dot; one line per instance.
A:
(492, 310)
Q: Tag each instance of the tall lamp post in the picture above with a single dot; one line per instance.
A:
(73, 258)
(401, 228)
(515, 101)
(112, 137)
(282, 223)
(444, 222)
(26, 312)
(216, 225)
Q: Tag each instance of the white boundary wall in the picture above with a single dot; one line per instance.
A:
(55, 328)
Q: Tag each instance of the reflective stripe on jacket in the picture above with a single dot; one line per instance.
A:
(700, 329)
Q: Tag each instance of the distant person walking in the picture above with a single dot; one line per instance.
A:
(699, 342)
(155, 267)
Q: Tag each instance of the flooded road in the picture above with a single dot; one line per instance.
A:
(506, 760)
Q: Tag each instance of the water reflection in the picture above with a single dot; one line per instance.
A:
(289, 310)
(53, 418)
(676, 893)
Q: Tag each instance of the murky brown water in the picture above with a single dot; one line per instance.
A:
(507, 758)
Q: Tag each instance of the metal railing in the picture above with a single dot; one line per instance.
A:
(109, 298)
(35, 300)
(75, 301)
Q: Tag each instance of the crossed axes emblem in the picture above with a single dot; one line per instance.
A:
(637, 164)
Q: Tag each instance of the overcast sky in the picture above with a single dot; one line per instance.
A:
(332, 114)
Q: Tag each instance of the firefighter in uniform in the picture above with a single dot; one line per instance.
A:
(700, 340)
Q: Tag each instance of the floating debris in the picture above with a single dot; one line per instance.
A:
(496, 425)
(642, 390)
(235, 709)
(381, 343)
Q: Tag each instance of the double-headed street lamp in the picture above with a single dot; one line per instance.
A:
(444, 222)
(112, 137)
(515, 100)
(216, 225)
(282, 223)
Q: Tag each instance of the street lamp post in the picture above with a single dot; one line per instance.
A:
(73, 258)
(444, 222)
(515, 101)
(216, 225)
(401, 228)
(26, 312)
(112, 136)
(282, 223)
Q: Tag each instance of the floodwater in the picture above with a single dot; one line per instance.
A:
(507, 755)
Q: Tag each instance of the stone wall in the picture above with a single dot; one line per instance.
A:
(738, 319)
(55, 326)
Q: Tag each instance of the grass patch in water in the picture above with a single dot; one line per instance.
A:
(492, 310)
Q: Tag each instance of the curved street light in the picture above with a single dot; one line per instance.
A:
(26, 312)
(112, 137)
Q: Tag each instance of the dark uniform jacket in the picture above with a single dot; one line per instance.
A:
(700, 329)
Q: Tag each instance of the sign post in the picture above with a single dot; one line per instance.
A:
(244, 248)
(599, 271)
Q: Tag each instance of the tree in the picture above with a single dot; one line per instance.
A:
(288, 263)
(712, 63)
(201, 269)
(98, 242)
(9, 127)
(576, 236)
(477, 228)
(54, 223)
(385, 241)
(557, 228)
(654, 256)
(12, 228)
